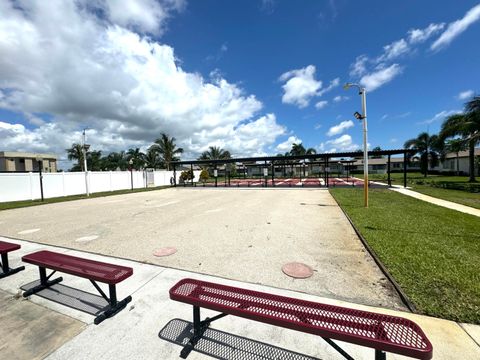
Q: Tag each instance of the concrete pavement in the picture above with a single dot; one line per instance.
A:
(152, 326)
(248, 234)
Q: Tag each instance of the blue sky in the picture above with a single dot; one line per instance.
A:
(250, 76)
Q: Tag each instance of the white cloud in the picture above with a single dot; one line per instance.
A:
(359, 67)
(340, 128)
(333, 84)
(287, 144)
(140, 15)
(393, 140)
(321, 104)
(63, 60)
(342, 143)
(339, 98)
(416, 36)
(300, 86)
(464, 95)
(442, 115)
(457, 27)
(380, 77)
(394, 50)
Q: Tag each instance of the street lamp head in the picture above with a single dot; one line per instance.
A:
(130, 161)
(358, 116)
(347, 86)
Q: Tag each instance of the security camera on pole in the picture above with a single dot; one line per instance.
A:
(363, 93)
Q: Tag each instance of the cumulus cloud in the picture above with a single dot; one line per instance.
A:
(287, 144)
(378, 78)
(140, 15)
(321, 104)
(342, 143)
(465, 95)
(456, 28)
(340, 128)
(416, 36)
(300, 86)
(62, 59)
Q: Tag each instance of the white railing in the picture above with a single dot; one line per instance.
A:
(26, 186)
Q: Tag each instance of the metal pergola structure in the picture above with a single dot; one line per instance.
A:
(324, 159)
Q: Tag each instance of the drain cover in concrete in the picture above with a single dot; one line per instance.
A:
(166, 251)
(297, 270)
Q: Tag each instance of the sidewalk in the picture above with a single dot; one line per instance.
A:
(153, 327)
(447, 204)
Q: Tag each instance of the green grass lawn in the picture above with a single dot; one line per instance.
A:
(20, 204)
(432, 252)
(423, 185)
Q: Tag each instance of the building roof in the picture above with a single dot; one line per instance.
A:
(462, 154)
(19, 154)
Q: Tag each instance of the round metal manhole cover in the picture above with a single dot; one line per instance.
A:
(166, 251)
(297, 270)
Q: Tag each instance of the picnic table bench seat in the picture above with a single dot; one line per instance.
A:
(384, 333)
(95, 271)
(5, 248)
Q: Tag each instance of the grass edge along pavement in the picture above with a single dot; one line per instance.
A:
(436, 186)
(432, 252)
(26, 203)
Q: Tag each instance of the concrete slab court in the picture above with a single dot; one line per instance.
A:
(147, 328)
(241, 234)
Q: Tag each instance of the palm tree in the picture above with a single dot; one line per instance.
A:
(215, 153)
(166, 148)
(151, 158)
(94, 160)
(455, 146)
(467, 126)
(115, 160)
(428, 147)
(137, 157)
(299, 150)
(75, 152)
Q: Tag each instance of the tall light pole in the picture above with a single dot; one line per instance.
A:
(84, 151)
(363, 93)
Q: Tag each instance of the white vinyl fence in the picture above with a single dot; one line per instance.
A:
(26, 186)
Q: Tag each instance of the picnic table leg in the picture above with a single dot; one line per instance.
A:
(114, 306)
(197, 333)
(380, 355)
(6, 268)
(44, 282)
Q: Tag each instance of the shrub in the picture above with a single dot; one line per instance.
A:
(186, 175)
(204, 176)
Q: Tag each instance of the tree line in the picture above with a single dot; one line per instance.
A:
(459, 132)
(158, 156)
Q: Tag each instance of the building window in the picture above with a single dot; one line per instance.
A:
(21, 161)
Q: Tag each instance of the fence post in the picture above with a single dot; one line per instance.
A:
(31, 184)
(63, 183)
(110, 175)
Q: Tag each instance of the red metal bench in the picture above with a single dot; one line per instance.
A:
(383, 333)
(89, 269)
(5, 248)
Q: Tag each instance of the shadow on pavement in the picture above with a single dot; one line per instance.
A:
(222, 345)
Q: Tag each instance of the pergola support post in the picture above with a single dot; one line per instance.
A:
(388, 170)
(405, 169)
